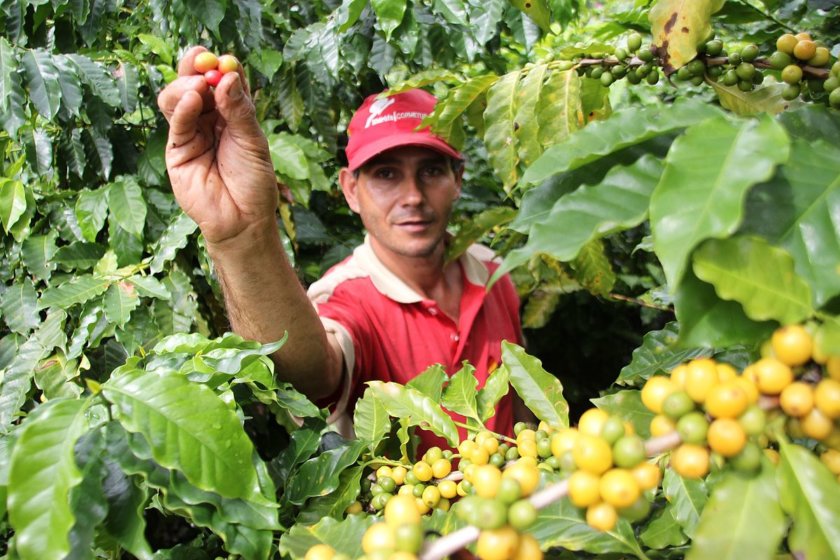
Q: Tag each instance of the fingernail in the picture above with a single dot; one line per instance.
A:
(235, 91)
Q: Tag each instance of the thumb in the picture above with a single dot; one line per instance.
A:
(236, 108)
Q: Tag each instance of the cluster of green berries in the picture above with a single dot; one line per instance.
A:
(792, 54)
(634, 62)
(715, 411)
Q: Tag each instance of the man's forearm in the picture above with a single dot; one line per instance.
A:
(264, 300)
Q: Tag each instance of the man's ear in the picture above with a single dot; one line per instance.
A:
(349, 184)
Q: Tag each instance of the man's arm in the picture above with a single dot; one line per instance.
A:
(220, 168)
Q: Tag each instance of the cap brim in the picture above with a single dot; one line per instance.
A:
(372, 149)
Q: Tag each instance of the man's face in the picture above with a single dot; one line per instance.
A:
(404, 197)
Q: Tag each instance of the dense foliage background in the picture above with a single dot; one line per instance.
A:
(726, 227)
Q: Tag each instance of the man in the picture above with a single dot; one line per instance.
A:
(388, 312)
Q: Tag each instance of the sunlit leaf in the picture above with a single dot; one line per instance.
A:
(541, 392)
(416, 408)
(678, 27)
(500, 131)
(688, 498)
(658, 353)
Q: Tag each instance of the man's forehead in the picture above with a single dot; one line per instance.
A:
(402, 153)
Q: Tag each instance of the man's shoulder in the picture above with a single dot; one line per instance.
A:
(338, 275)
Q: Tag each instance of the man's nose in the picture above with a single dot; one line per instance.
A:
(412, 190)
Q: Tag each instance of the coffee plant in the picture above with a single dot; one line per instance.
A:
(658, 175)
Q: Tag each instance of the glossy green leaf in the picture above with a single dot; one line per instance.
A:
(619, 202)
(205, 441)
(541, 392)
(149, 286)
(370, 420)
(176, 237)
(663, 531)
(800, 213)
(19, 307)
(13, 117)
(707, 320)
(12, 202)
(125, 200)
(526, 123)
(77, 290)
(416, 408)
(320, 475)
(477, 228)
(232, 360)
(702, 197)
(87, 500)
(742, 519)
(17, 380)
(43, 472)
(678, 27)
(765, 99)
(335, 503)
(500, 131)
(8, 70)
(302, 445)
(430, 382)
(496, 387)
(757, 275)
(559, 110)
(628, 406)
(80, 255)
(809, 494)
(658, 353)
(688, 498)
(98, 78)
(289, 159)
(349, 13)
(38, 252)
(624, 128)
(593, 269)
(120, 300)
(561, 524)
(345, 536)
(389, 14)
(70, 84)
(449, 110)
(460, 394)
(42, 81)
(91, 211)
(537, 10)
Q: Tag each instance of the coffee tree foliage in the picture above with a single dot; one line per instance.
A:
(131, 422)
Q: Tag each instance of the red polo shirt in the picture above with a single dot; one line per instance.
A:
(388, 332)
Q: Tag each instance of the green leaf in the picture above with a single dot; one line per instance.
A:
(628, 406)
(98, 78)
(537, 10)
(349, 13)
(707, 320)
(389, 14)
(91, 211)
(477, 228)
(157, 45)
(370, 420)
(460, 394)
(345, 536)
(541, 391)
(205, 440)
(688, 498)
(87, 499)
(766, 99)
(624, 128)
(78, 290)
(757, 275)
(742, 519)
(319, 476)
(175, 237)
(149, 286)
(80, 255)
(449, 110)
(19, 307)
(678, 27)
(43, 471)
(496, 387)
(12, 202)
(70, 84)
(527, 125)
(120, 300)
(593, 269)
(303, 443)
(809, 495)
(125, 199)
(334, 504)
(288, 157)
(8, 71)
(559, 111)
(561, 524)
(17, 380)
(702, 197)
(799, 212)
(663, 531)
(415, 408)
(500, 131)
(38, 252)
(232, 360)
(430, 382)
(42, 81)
(659, 352)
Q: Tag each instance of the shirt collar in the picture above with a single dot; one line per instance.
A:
(392, 286)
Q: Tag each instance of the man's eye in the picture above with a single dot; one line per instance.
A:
(384, 173)
(433, 171)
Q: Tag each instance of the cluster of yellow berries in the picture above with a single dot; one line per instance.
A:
(716, 410)
(793, 52)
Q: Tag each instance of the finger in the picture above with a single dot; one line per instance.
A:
(236, 108)
(185, 66)
(171, 95)
(184, 121)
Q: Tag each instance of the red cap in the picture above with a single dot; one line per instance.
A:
(388, 122)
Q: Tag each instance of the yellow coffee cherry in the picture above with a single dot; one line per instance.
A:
(792, 345)
(726, 436)
(320, 552)
(563, 441)
(384, 470)
(448, 488)
(584, 489)
(690, 461)
(526, 473)
(592, 421)
(430, 497)
(701, 376)
(528, 448)
(592, 454)
(466, 447)
(816, 425)
(618, 488)
(655, 391)
(601, 516)
(526, 434)
(479, 456)
(678, 375)
(747, 384)
(422, 507)
(423, 471)
(398, 474)
(355, 507)
(726, 400)
(661, 425)
(379, 536)
(497, 544)
(773, 455)
(832, 367)
(485, 480)
(401, 510)
(827, 397)
(797, 399)
(831, 459)
(529, 548)
(726, 372)
(772, 375)
(441, 468)
(647, 475)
